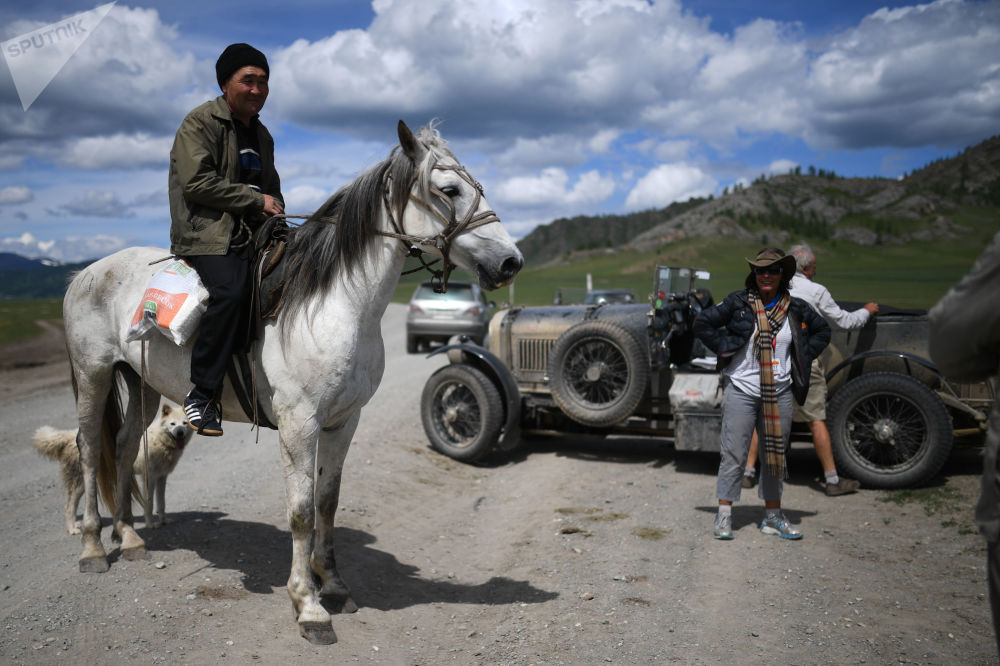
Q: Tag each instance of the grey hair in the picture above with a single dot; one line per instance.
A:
(804, 257)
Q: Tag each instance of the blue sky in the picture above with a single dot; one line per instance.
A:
(559, 107)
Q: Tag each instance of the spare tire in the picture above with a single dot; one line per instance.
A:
(889, 430)
(598, 373)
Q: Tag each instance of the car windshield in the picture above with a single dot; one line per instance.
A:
(608, 296)
(456, 292)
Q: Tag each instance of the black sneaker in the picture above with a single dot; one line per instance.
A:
(203, 415)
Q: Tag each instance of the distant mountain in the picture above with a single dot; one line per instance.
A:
(867, 211)
(21, 282)
(15, 262)
(564, 236)
(786, 208)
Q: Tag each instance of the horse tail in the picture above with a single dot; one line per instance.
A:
(111, 424)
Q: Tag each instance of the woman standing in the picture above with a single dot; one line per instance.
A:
(765, 341)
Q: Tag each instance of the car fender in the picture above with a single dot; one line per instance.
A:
(906, 357)
(494, 368)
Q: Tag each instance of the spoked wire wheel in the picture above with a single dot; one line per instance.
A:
(597, 373)
(889, 430)
(462, 412)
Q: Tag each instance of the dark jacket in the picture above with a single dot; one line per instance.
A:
(206, 197)
(725, 327)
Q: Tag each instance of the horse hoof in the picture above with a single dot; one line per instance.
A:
(133, 554)
(318, 633)
(94, 565)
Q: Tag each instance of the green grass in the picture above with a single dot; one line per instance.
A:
(915, 275)
(17, 318)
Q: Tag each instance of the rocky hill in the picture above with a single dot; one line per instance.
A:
(813, 205)
(568, 235)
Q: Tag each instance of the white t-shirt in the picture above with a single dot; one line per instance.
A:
(744, 369)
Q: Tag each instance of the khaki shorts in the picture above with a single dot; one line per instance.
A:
(815, 407)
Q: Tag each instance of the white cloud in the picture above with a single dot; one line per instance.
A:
(70, 249)
(673, 151)
(552, 188)
(119, 151)
(305, 199)
(126, 79)
(17, 194)
(97, 204)
(668, 183)
(542, 91)
(908, 77)
(778, 167)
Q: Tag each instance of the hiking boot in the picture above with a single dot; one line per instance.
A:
(842, 487)
(724, 526)
(778, 524)
(749, 481)
(203, 415)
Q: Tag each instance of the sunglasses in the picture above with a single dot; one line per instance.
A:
(767, 270)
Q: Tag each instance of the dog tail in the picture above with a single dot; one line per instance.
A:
(51, 442)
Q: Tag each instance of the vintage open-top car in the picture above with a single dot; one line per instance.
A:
(638, 369)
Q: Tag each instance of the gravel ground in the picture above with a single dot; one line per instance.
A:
(573, 551)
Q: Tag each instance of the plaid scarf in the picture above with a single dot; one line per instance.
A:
(769, 322)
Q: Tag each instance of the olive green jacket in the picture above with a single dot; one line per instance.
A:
(206, 197)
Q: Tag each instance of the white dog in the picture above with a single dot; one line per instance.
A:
(166, 438)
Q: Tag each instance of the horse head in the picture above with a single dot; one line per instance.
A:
(451, 217)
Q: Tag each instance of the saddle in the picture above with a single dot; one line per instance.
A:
(267, 286)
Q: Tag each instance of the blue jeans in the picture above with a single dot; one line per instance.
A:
(741, 413)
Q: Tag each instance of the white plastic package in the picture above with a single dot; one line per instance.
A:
(172, 304)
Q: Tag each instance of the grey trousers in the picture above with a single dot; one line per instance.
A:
(741, 413)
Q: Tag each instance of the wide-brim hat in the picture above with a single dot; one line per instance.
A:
(769, 256)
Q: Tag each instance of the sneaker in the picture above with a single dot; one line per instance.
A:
(724, 526)
(204, 416)
(843, 487)
(778, 524)
(749, 481)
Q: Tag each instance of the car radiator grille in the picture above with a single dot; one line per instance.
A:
(533, 354)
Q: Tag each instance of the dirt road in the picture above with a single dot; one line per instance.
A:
(577, 551)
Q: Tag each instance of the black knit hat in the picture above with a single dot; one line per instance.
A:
(237, 56)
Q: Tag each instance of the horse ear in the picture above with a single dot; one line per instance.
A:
(408, 142)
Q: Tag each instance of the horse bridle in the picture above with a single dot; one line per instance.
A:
(452, 227)
(443, 239)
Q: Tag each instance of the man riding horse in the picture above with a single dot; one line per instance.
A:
(222, 185)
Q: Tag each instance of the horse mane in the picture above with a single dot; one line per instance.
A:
(334, 241)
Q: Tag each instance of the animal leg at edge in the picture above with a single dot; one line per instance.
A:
(298, 458)
(129, 439)
(330, 455)
(93, 392)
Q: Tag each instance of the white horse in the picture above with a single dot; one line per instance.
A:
(319, 363)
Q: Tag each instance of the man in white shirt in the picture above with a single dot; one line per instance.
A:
(814, 409)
